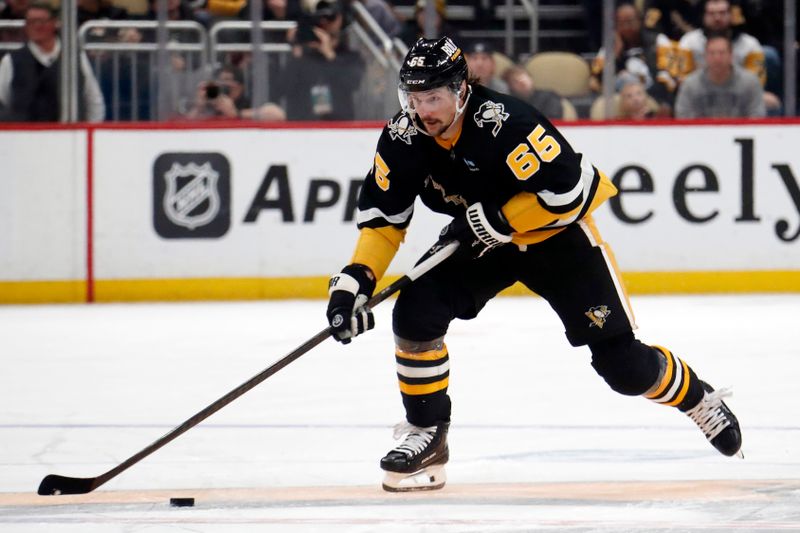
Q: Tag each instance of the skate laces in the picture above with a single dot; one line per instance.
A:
(416, 440)
(709, 414)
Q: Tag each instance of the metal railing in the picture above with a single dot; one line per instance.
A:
(390, 55)
(267, 46)
(134, 67)
(531, 10)
(789, 58)
(16, 26)
(381, 53)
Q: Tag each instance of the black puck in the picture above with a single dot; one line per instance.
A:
(181, 502)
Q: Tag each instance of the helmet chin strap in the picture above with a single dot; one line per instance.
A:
(459, 111)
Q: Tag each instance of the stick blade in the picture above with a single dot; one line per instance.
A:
(53, 485)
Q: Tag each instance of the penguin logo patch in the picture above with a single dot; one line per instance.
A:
(598, 315)
(491, 112)
(402, 129)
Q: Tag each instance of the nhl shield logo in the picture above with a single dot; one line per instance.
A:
(195, 201)
(191, 195)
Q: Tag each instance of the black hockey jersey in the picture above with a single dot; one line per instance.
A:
(507, 154)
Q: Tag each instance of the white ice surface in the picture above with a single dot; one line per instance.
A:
(84, 387)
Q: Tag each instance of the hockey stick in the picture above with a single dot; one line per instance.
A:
(53, 484)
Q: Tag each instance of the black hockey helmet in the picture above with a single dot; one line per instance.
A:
(433, 63)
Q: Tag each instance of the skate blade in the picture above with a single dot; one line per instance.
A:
(430, 478)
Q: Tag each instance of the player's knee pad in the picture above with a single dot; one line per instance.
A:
(626, 364)
(420, 314)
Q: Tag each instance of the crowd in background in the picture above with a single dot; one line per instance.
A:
(671, 58)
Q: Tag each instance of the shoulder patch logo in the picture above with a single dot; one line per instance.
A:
(402, 129)
(598, 315)
(491, 112)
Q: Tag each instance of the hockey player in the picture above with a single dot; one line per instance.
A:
(521, 200)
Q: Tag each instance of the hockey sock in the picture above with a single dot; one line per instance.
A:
(423, 378)
(677, 384)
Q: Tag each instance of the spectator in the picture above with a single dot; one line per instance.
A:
(13, 10)
(636, 54)
(415, 28)
(521, 85)
(322, 76)
(721, 88)
(30, 76)
(223, 97)
(220, 97)
(480, 60)
(718, 17)
(634, 103)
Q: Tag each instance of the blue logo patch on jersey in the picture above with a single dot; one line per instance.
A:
(402, 128)
(491, 113)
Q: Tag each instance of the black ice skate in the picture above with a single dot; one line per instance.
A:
(717, 422)
(417, 463)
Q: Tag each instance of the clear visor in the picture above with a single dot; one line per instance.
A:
(427, 101)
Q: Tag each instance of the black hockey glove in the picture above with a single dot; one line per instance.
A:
(478, 231)
(348, 293)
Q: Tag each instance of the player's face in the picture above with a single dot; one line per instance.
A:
(436, 108)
